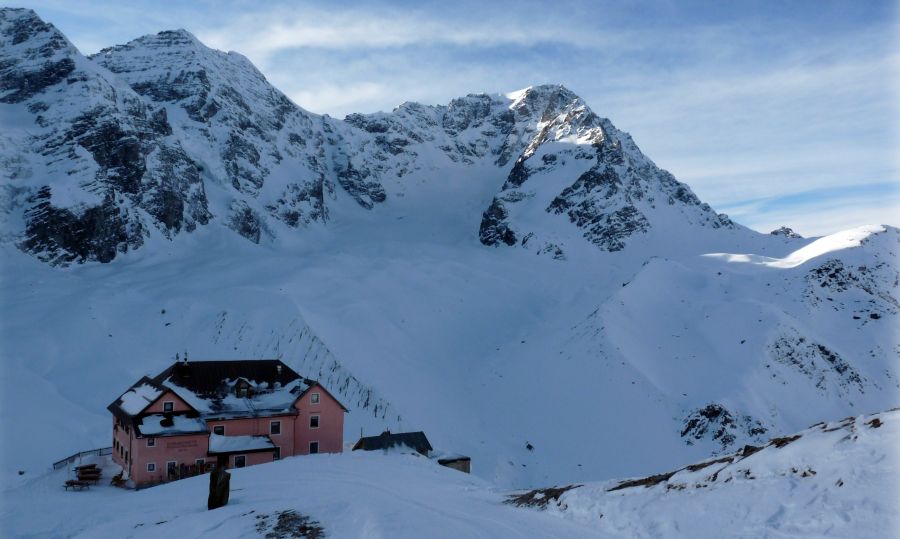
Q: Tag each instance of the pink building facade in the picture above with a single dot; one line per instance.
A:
(241, 413)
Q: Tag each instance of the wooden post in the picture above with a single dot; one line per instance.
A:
(219, 484)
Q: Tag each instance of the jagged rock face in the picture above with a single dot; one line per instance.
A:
(96, 154)
(36, 58)
(786, 232)
(493, 226)
(716, 423)
(604, 228)
(824, 368)
(60, 235)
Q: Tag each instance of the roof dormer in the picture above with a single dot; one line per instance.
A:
(242, 388)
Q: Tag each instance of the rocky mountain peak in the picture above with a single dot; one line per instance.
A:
(96, 171)
(245, 131)
(543, 102)
(18, 25)
(33, 55)
(787, 232)
(172, 38)
(579, 165)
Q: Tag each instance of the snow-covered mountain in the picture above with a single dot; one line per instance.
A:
(163, 134)
(87, 162)
(508, 273)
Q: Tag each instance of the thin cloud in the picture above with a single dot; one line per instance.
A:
(258, 35)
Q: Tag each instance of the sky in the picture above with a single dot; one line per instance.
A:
(777, 113)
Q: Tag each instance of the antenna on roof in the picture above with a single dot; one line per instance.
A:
(177, 356)
(185, 357)
(278, 368)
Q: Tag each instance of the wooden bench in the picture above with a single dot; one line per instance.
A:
(89, 478)
(76, 484)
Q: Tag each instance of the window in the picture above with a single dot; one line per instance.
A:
(313, 448)
(313, 421)
(219, 429)
(151, 466)
(240, 461)
(126, 455)
(171, 467)
(168, 406)
(314, 398)
(200, 462)
(151, 442)
(275, 427)
(277, 454)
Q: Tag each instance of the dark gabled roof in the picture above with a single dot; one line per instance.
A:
(455, 458)
(387, 439)
(206, 377)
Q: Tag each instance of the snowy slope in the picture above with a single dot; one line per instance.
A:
(485, 350)
(349, 495)
(631, 331)
(835, 479)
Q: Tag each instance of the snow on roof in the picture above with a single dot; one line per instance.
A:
(386, 440)
(264, 401)
(447, 456)
(210, 387)
(138, 397)
(157, 425)
(234, 444)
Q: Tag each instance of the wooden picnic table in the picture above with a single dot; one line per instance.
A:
(76, 484)
(89, 474)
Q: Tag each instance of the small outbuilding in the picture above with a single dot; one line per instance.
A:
(388, 439)
(457, 462)
(418, 442)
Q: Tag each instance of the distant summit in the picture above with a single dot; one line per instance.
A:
(786, 232)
